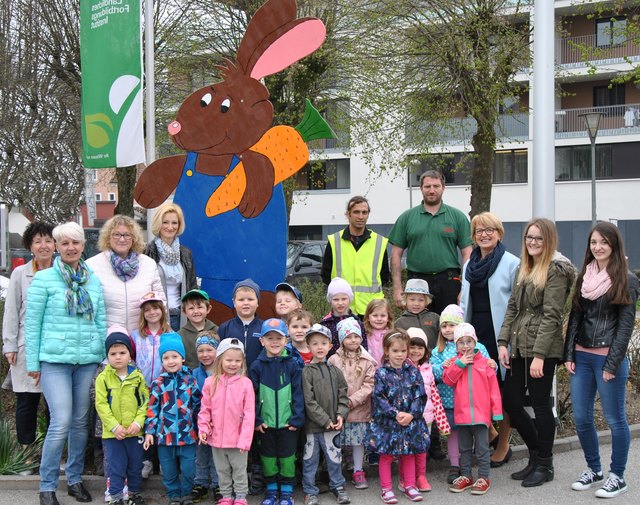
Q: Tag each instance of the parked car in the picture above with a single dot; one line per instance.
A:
(304, 259)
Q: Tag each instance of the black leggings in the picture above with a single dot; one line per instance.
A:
(27, 417)
(540, 432)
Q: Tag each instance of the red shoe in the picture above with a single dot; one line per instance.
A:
(480, 486)
(423, 484)
(460, 484)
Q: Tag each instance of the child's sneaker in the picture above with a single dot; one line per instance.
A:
(586, 480)
(135, 499)
(286, 499)
(462, 483)
(613, 486)
(341, 495)
(454, 473)
(311, 499)
(412, 493)
(187, 500)
(199, 493)
(217, 495)
(359, 480)
(401, 486)
(423, 484)
(480, 486)
(239, 501)
(147, 469)
(388, 497)
(270, 497)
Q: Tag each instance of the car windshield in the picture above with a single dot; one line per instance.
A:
(293, 250)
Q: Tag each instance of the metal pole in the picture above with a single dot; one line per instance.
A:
(593, 181)
(150, 65)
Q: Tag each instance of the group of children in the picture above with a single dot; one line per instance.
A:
(230, 408)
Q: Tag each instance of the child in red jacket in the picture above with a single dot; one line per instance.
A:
(476, 401)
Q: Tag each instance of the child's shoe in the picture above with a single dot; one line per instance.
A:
(388, 497)
(311, 499)
(239, 501)
(135, 499)
(423, 484)
(341, 495)
(270, 497)
(116, 502)
(286, 499)
(229, 501)
(147, 469)
(175, 501)
(187, 500)
(359, 480)
(454, 473)
(401, 486)
(217, 495)
(462, 483)
(480, 486)
(198, 493)
(412, 493)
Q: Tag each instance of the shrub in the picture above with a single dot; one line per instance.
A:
(16, 458)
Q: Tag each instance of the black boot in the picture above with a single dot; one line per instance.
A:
(48, 498)
(542, 472)
(522, 474)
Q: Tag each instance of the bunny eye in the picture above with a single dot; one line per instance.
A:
(224, 106)
(205, 100)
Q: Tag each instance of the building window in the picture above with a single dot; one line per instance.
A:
(326, 174)
(443, 163)
(609, 95)
(510, 166)
(112, 197)
(98, 197)
(573, 163)
(611, 32)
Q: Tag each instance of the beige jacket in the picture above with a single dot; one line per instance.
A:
(360, 385)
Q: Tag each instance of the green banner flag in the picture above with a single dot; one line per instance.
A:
(111, 59)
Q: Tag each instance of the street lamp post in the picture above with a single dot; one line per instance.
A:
(592, 121)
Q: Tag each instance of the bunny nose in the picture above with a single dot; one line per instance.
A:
(174, 128)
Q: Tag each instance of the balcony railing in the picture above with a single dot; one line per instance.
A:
(583, 48)
(616, 120)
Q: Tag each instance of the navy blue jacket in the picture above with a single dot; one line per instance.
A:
(248, 334)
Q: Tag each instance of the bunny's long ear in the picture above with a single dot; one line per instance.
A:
(275, 39)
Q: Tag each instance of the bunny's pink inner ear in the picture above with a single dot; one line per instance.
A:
(294, 45)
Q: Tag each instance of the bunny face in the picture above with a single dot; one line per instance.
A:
(225, 118)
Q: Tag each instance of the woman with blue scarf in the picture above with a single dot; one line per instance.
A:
(126, 274)
(64, 333)
(487, 279)
(174, 260)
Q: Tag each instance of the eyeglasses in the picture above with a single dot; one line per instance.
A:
(487, 231)
(119, 236)
(530, 239)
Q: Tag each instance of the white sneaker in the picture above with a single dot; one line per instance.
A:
(147, 469)
(107, 496)
(125, 492)
(612, 487)
(586, 480)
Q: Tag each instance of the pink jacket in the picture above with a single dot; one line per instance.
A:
(476, 395)
(228, 416)
(433, 410)
(374, 345)
(360, 386)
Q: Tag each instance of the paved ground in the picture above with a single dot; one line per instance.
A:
(568, 462)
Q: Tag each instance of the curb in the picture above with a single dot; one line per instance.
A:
(96, 482)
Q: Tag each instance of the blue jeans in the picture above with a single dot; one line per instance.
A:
(206, 474)
(178, 463)
(325, 442)
(174, 322)
(584, 384)
(66, 389)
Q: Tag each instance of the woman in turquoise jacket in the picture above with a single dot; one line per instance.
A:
(65, 333)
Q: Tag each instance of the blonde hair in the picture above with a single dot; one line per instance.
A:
(104, 240)
(536, 272)
(442, 342)
(344, 358)
(164, 323)
(373, 305)
(218, 371)
(300, 315)
(163, 210)
(488, 220)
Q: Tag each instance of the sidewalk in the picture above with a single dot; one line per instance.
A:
(568, 462)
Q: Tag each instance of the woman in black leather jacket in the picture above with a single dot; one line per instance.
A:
(598, 334)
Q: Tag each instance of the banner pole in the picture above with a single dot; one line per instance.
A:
(149, 56)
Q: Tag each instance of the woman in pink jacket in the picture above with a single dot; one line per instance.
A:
(227, 418)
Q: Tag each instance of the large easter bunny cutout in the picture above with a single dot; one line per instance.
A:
(228, 183)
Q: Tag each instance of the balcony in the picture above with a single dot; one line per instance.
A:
(575, 51)
(616, 120)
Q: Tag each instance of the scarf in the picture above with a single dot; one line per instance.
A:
(170, 257)
(125, 268)
(595, 283)
(479, 269)
(77, 299)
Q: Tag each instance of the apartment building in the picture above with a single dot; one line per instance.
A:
(582, 86)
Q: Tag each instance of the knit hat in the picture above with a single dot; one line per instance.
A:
(417, 286)
(151, 296)
(452, 314)
(117, 334)
(285, 286)
(229, 343)
(464, 330)
(418, 333)
(171, 342)
(348, 326)
(207, 340)
(248, 284)
(276, 325)
(338, 286)
(195, 293)
(320, 330)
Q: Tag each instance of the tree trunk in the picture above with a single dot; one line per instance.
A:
(483, 143)
(126, 177)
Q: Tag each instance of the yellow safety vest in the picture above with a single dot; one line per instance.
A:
(361, 268)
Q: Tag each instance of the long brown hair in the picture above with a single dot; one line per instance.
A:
(533, 272)
(394, 335)
(142, 322)
(617, 267)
